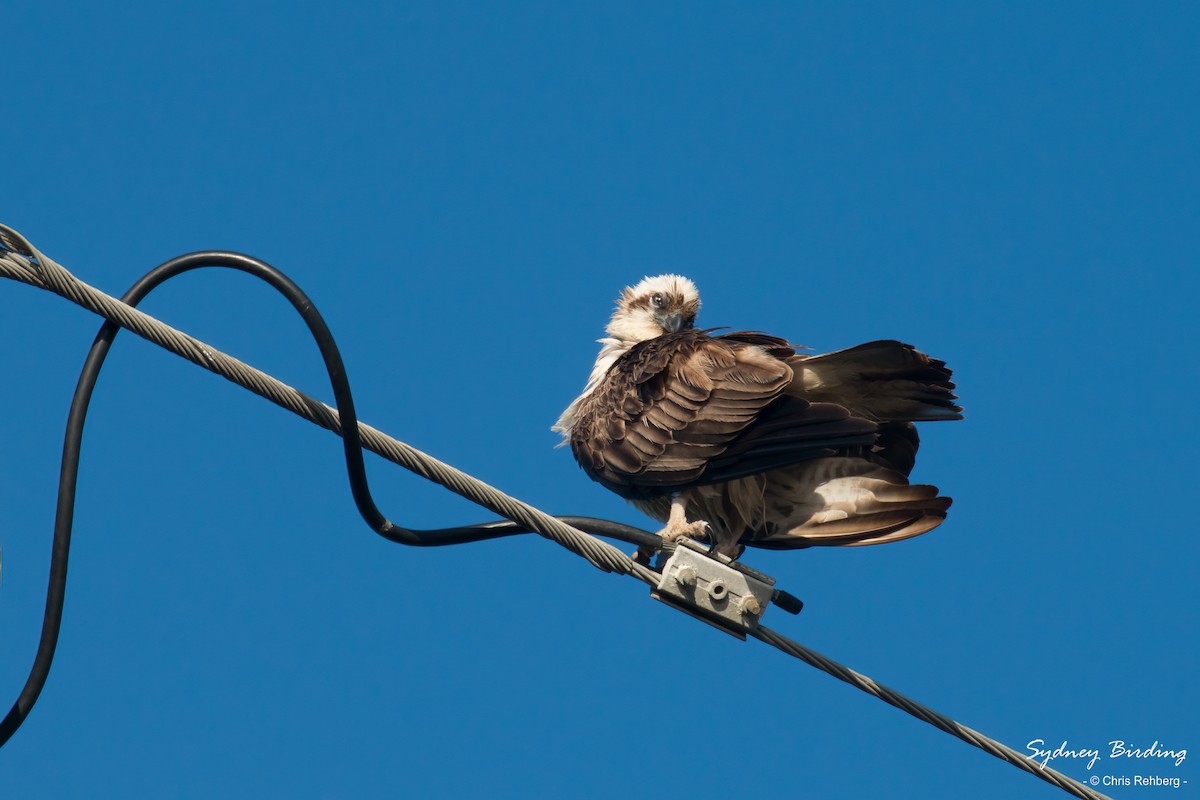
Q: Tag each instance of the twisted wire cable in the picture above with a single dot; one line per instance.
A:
(21, 261)
(924, 713)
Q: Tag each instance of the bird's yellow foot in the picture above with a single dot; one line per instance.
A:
(677, 530)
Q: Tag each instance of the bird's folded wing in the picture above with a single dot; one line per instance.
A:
(690, 409)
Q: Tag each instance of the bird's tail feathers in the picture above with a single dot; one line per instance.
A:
(875, 505)
(882, 381)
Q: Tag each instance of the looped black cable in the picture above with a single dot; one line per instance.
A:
(351, 444)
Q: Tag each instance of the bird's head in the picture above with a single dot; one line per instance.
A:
(653, 307)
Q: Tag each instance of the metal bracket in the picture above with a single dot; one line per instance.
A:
(716, 589)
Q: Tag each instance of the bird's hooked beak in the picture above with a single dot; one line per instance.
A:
(673, 322)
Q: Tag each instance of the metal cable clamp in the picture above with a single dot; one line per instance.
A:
(716, 589)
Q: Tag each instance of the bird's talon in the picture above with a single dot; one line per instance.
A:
(691, 530)
(644, 555)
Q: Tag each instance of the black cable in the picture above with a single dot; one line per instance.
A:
(351, 442)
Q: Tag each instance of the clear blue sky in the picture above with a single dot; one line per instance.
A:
(463, 190)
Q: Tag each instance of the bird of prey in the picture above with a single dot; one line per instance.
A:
(737, 439)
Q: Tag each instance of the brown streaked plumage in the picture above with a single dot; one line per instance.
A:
(737, 438)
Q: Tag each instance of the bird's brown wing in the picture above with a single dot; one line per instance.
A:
(692, 409)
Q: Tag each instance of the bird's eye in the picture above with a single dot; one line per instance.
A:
(657, 300)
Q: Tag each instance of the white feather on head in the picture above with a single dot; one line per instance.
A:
(632, 321)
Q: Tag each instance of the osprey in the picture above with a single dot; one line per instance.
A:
(738, 439)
